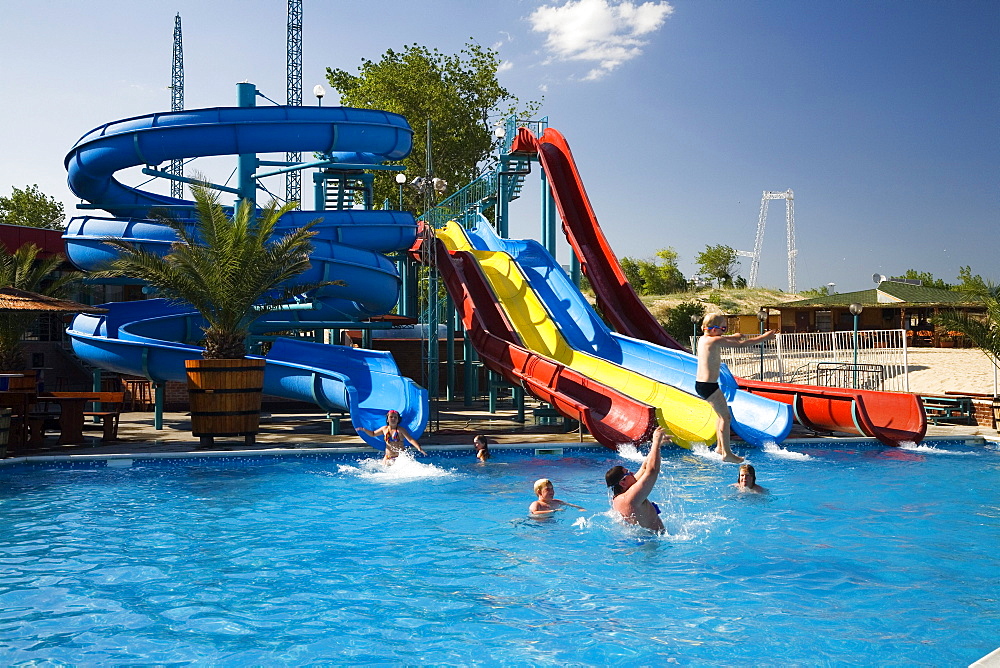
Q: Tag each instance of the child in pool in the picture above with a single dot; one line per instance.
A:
(546, 504)
(707, 380)
(395, 435)
(482, 448)
(747, 481)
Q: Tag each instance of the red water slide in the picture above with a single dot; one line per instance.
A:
(891, 417)
(610, 416)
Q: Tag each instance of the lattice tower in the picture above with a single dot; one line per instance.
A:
(789, 198)
(293, 180)
(177, 101)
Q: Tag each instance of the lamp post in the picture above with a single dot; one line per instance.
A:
(695, 319)
(855, 309)
(762, 315)
(400, 180)
(319, 92)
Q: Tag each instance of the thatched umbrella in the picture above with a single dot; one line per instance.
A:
(13, 300)
(18, 310)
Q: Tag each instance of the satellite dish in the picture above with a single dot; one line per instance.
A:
(878, 278)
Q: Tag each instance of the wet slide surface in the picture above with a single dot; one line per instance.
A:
(687, 418)
(152, 339)
(890, 417)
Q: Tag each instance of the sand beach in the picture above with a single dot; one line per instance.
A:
(940, 370)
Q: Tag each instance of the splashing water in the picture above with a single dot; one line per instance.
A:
(913, 447)
(403, 469)
(630, 452)
(776, 450)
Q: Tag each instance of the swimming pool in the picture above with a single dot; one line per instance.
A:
(860, 554)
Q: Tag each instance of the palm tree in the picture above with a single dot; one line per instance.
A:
(224, 268)
(983, 331)
(23, 270)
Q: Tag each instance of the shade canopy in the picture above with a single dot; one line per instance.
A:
(13, 300)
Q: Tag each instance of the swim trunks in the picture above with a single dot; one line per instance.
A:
(705, 390)
(655, 507)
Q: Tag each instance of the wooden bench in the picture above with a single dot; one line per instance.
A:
(110, 403)
(944, 408)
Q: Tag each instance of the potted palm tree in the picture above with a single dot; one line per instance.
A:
(23, 270)
(230, 270)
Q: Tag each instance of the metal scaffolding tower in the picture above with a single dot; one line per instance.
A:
(789, 198)
(293, 179)
(177, 102)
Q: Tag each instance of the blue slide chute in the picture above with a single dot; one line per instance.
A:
(152, 338)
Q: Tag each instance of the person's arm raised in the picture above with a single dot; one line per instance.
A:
(646, 477)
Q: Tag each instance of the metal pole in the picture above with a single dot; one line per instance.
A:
(855, 383)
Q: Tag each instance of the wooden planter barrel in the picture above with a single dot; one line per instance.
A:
(4, 430)
(225, 398)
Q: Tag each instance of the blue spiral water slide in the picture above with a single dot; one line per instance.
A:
(152, 338)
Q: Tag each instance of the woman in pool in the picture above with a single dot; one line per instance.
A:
(547, 503)
(395, 435)
(482, 448)
(630, 491)
(747, 481)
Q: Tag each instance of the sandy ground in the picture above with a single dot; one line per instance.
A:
(939, 370)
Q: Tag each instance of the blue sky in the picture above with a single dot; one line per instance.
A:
(881, 116)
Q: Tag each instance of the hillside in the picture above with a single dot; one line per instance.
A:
(732, 301)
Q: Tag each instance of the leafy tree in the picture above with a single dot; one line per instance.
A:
(678, 323)
(459, 94)
(983, 331)
(926, 278)
(655, 278)
(23, 269)
(223, 269)
(821, 291)
(31, 208)
(969, 282)
(718, 262)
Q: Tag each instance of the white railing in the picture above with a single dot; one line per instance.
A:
(827, 358)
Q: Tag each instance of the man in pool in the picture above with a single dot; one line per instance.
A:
(631, 490)
(747, 482)
(547, 503)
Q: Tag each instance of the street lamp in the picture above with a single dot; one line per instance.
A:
(855, 310)
(695, 319)
(400, 180)
(319, 92)
(762, 315)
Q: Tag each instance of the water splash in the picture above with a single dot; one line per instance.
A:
(913, 447)
(403, 469)
(776, 450)
(630, 452)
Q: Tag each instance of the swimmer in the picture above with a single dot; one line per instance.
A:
(546, 503)
(395, 435)
(631, 490)
(748, 481)
(482, 448)
(706, 384)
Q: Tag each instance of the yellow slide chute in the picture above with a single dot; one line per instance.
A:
(688, 418)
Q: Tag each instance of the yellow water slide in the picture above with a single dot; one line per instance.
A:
(688, 418)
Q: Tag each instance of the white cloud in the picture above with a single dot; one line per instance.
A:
(604, 32)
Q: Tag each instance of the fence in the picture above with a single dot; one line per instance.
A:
(827, 358)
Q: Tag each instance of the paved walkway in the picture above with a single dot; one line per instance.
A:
(455, 427)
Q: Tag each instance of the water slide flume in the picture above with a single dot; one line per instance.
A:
(687, 418)
(611, 417)
(890, 417)
(150, 339)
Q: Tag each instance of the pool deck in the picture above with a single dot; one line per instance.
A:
(455, 428)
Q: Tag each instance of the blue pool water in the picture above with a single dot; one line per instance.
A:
(860, 555)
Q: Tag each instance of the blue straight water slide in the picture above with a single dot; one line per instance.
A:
(755, 419)
(152, 338)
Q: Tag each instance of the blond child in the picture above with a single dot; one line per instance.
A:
(547, 503)
(710, 346)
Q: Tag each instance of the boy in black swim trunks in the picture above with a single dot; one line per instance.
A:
(710, 346)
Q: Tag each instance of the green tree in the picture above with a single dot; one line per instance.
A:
(982, 330)
(718, 262)
(633, 273)
(678, 323)
(969, 282)
(459, 94)
(24, 270)
(821, 291)
(657, 277)
(224, 269)
(31, 208)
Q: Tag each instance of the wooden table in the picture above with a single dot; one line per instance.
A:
(70, 418)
